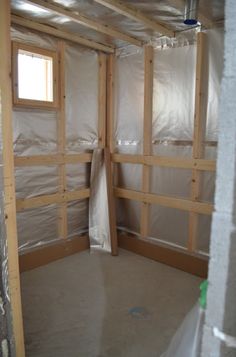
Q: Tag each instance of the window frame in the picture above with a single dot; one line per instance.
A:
(33, 103)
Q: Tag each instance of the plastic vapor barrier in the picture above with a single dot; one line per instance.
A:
(6, 343)
(35, 133)
(99, 230)
(187, 340)
(163, 11)
(172, 132)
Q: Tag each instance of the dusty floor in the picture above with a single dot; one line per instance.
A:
(95, 305)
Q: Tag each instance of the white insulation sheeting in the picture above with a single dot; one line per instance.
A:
(99, 229)
(173, 97)
(129, 103)
(35, 133)
(173, 117)
(81, 100)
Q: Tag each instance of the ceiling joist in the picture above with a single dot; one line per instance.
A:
(85, 21)
(60, 34)
(136, 15)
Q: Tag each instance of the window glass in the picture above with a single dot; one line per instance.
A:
(35, 76)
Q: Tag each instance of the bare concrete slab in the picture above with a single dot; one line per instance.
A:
(95, 305)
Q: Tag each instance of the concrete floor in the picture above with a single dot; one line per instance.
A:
(95, 305)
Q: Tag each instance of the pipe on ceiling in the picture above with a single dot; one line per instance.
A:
(191, 12)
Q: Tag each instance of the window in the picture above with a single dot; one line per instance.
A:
(35, 77)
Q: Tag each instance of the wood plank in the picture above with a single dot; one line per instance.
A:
(102, 60)
(108, 150)
(49, 254)
(56, 159)
(12, 263)
(166, 161)
(177, 259)
(110, 103)
(60, 34)
(111, 202)
(61, 143)
(198, 134)
(135, 14)
(167, 201)
(83, 20)
(78, 158)
(55, 198)
(148, 99)
(147, 134)
(128, 158)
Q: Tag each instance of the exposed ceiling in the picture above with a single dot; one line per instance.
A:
(118, 23)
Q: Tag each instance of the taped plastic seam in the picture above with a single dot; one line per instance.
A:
(229, 341)
(99, 231)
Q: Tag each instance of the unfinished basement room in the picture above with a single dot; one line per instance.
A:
(117, 178)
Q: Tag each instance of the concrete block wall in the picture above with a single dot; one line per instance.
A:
(221, 299)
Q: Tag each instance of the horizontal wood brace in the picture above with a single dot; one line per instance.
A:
(44, 200)
(172, 202)
(166, 161)
(58, 159)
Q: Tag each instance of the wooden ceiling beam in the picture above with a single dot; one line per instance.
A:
(22, 21)
(136, 15)
(85, 21)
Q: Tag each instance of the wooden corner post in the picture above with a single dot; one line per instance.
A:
(12, 277)
(147, 134)
(109, 149)
(198, 133)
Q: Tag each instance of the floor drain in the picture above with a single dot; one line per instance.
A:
(139, 313)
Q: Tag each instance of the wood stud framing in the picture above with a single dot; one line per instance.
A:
(166, 161)
(33, 25)
(61, 141)
(197, 163)
(85, 21)
(12, 266)
(167, 201)
(136, 15)
(61, 159)
(109, 149)
(102, 61)
(198, 135)
(111, 62)
(44, 200)
(56, 159)
(106, 129)
(147, 134)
